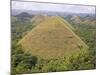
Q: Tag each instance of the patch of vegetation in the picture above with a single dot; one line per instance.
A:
(25, 63)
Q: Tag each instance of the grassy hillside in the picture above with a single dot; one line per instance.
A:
(52, 39)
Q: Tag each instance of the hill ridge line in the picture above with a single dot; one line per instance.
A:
(71, 31)
(70, 26)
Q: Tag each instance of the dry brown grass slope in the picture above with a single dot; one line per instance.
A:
(52, 39)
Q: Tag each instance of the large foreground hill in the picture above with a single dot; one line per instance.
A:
(52, 39)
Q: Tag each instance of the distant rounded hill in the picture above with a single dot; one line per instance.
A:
(23, 14)
(84, 21)
(53, 38)
(39, 18)
(89, 22)
(76, 19)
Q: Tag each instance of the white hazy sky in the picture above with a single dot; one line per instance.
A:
(52, 7)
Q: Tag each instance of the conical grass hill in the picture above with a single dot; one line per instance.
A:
(52, 39)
